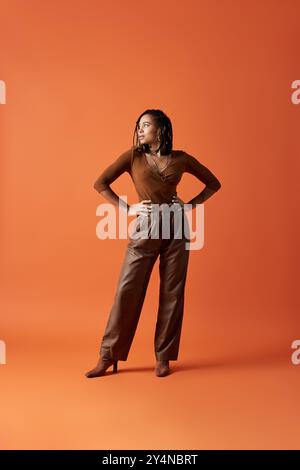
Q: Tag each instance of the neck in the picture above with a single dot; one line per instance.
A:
(154, 150)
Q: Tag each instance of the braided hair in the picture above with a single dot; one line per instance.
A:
(163, 123)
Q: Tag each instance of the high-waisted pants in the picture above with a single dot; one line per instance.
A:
(138, 262)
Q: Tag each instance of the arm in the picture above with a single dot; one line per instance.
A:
(212, 184)
(110, 174)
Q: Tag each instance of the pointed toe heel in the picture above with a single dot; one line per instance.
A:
(101, 368)
(162, 368)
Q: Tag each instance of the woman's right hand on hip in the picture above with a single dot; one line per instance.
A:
(141, 208)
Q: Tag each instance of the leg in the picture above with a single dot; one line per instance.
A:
(129, 298)
(173, 266)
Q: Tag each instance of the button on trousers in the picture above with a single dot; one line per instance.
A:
(140, 256)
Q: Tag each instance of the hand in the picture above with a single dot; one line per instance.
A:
(177, 200)
(142, 208)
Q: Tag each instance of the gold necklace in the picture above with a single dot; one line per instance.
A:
(167, 158)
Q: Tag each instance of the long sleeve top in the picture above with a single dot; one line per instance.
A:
(149, 182)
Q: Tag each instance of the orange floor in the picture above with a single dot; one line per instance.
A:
(245, 402)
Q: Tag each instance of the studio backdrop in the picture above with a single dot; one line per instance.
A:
(75, 76)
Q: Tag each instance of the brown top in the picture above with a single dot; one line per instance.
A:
(149, 181)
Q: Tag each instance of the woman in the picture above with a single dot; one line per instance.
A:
(155, 169)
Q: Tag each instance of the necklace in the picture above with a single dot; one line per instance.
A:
(157, 166)
(160, 172)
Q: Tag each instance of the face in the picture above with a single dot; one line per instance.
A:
(147, 131)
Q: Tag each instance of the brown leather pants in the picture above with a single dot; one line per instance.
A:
(138, 262)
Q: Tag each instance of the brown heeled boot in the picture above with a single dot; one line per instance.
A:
(162, 368)
(101, 367)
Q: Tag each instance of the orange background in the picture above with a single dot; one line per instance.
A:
(78, 74)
